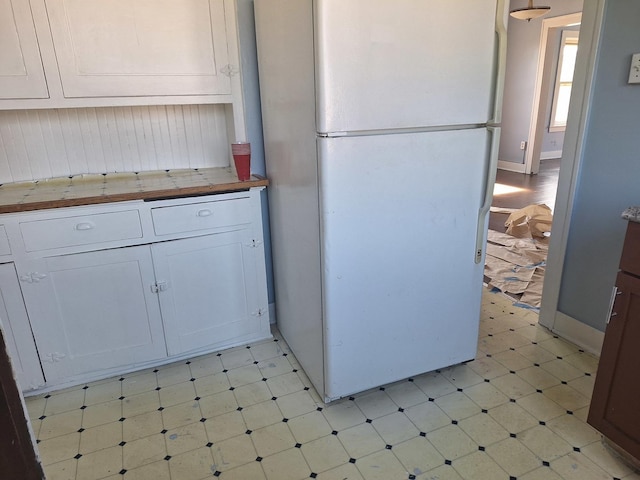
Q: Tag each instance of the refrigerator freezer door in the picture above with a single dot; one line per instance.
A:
(403, 63)
(401, 290)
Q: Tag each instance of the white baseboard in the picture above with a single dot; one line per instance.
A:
(272, 313)
(586, 337)
(511, 166)
(550, 155)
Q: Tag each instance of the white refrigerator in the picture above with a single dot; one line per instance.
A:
(381, 126)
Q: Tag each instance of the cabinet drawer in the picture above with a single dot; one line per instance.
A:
(201, 216)
(80, 230)
(5, 249)
(630, 260)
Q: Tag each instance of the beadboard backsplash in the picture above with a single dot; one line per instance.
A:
(39, 144)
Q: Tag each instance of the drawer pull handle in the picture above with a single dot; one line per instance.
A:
(204, 213)
(84, 226)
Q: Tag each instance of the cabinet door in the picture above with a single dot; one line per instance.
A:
(94, 311)
(21, 73)
(17, 330)
(616, 395)
(140, 47)
(209, 291)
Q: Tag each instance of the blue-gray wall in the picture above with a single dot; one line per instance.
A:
(253, 116)
(609, 176)
(523, 42)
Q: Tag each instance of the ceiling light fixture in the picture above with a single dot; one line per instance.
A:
(529, 12)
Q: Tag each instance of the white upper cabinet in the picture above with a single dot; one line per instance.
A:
(140, 47)
(105, 53)
(21, 72)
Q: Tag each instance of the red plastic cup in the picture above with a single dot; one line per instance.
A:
(241, 152)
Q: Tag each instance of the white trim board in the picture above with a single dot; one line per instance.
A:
(511, 166)
(550, 155)
(586, 337)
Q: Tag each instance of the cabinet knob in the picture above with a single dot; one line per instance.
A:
(205, 212)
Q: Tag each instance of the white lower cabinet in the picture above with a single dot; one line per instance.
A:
(17, 331)
(208, 291)
(119, 287)
(94, 311)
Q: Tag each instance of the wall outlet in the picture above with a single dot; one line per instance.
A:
(523, 145)
(634, 71)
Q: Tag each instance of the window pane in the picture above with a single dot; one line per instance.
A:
(562, 105)
(568, 62)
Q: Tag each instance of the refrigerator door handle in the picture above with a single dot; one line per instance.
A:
(492, 166)
(499, 64)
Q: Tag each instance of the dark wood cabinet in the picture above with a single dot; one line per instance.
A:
(615, 403)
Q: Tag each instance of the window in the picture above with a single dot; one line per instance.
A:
(564, 81)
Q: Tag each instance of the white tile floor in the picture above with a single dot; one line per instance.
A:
(516, 412)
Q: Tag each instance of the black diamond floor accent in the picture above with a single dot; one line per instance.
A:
(369, 420)
(576, 449)
(388, 447)
(484, 410)
(432, 399)
(42, 417)
(192, 379)
(239, 409)
(545, 463)
(481, 448)
(122, 419)
(412, 477)
(122, 472)
(313, 475)
(319, 409)
(512, 435)
(203, 419)
(454, 422)
(352, 460)
(47, 396)
(285, 420)
(447, 462)
(217, 473)
(231, 389)
(122, 444)
(569, 412)
(163, 431)
(78, 456)
(225, 370)
(423, 434)
(306, 388)
(298, 445)
(160, 409)
(85, 387)
(258, 459)
(80, 430)
(541, 422)
(158, 389)
(167, 458)
(274, 398)
(209, 444)
(248, 432)
(83, 407)
(264, 379)
(459, 389)
(121, 398)
(197, 398)
(334, 432)
(401, 409)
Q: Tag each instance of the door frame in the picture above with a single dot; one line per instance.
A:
(18, 453)
(570, 164)
(541, 91)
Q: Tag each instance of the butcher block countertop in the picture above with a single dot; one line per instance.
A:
(117, 187)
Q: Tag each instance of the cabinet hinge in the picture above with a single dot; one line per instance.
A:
(229, 70)
(52, 357)
(32, 277)
(260, 312)
(254, 243)
(159, 287)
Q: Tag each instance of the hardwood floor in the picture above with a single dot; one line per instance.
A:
(517, 190)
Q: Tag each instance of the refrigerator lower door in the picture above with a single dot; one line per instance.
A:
(401, 290)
